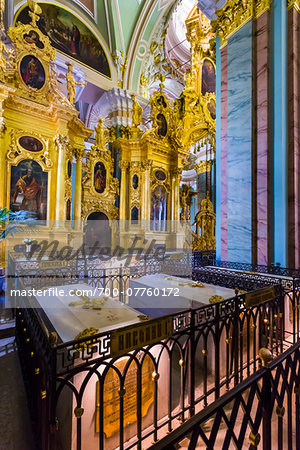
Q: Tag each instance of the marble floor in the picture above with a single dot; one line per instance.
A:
(15, 425)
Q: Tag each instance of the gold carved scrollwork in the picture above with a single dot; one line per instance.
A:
(235, 14)
(16, 152)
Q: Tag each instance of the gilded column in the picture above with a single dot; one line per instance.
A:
(61, 142)
(123, 191)
(79, 154)
(176, 175)
(145, 191)
(2, 163)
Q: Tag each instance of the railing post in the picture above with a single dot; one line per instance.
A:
(235, 338)
(267, 411)
(192, 365)
(294, 311)
(217, 351)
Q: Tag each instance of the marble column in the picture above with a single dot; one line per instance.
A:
(262, 157)
(61, 142)
(79, 154)
(223, 151)
(239, 145)
(293, 137)
(146, 192)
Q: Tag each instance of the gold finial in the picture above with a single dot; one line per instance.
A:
(265, 355)
(35, 11)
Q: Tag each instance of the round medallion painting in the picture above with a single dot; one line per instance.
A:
(31, 144)
(32, 72)
(160, 175)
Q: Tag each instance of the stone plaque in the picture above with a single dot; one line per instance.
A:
(111, 396)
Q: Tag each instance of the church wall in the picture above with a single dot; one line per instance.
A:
(239, 141)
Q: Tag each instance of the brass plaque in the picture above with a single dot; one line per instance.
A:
(123, 341)
(258, 297)
(111, 396)
(52, 264)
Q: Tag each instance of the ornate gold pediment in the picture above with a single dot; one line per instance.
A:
(28, 145)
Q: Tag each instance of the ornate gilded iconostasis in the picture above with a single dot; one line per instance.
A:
(40, 129)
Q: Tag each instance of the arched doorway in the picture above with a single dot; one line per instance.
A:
(98, 230)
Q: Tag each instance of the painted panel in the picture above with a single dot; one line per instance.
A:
(69, 35)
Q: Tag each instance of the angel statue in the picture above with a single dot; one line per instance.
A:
(136, 112)
(71, 84)
(100, 134)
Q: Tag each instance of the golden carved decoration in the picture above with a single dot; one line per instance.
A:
(215, 299)
(293, 4)
(235, 14)
(136, 112)
(205, 220)
(93, 201)
(204, 166)
(85, 333)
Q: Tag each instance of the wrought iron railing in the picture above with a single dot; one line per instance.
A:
(264, 409)
(212, 349)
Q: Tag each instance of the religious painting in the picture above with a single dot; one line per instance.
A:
(158, 214)
(28, 188)
(135, 181)
(32, 72)
(211, 105)
(208, 77)
(33, 38)
(31, 144)
(99, 177)
(69, 35)
(162, 126)
(160, 175)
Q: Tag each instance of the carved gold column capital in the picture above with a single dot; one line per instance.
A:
(135, 166)
(235, 14)
(61, 141)
(2, 127)
(293, 4)
(79, 153)
(176, 173)
(123, 165)
(146, 165)
(204, 166)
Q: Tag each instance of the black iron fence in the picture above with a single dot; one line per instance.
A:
(263, 411)
(84, 396)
